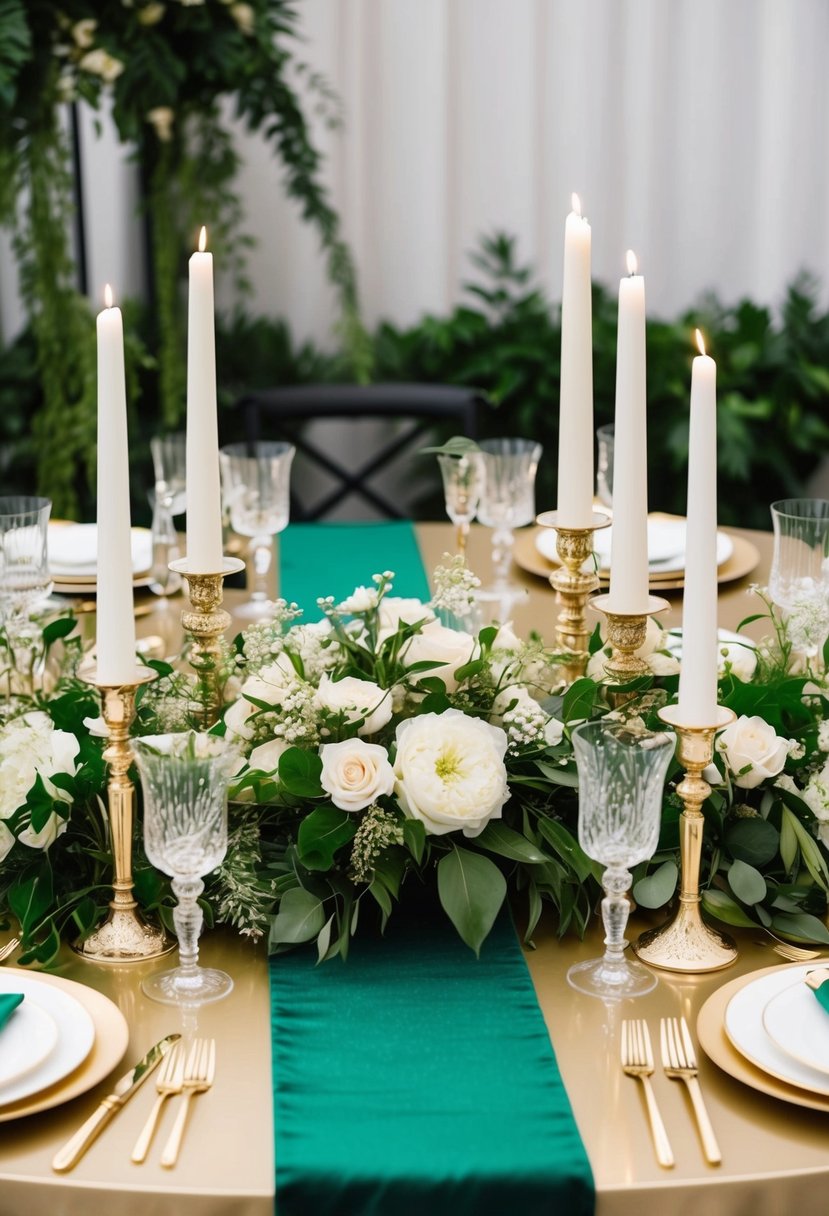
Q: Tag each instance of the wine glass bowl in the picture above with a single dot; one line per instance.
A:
(799, 578)
(621, 777)
(184, 781)
(24, 567)
(256, 480)
(167, 498)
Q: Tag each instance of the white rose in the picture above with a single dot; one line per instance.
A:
(6, 841)
(100, 63)
(270, 686)
(355, 773)
(450, 772)
(663, 664)
(265, 757)
(397, 610)
(244, 16)
(553, 732)
(97, 727)
(450, 648)
(150, 14)
(356, 699)
(751, 744)
(55, 826)
(507, 639)
(236, 719)
(161, 119)
(362, 599)
(739, 657)
(83, 32)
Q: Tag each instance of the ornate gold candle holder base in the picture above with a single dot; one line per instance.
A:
(573, 586)
(687, 943)
(206, 621)
(123, 937)
(626, 632)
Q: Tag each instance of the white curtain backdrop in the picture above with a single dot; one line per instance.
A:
(695, 131)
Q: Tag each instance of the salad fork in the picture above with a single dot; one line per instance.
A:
(199, 1072)
(637, 1061)
(679, 1061)
(9, 949)
(170, 1081)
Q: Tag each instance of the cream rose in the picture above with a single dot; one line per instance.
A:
(449, 648)
(753, 745)
(355, 773)
(265, 757)
(356, 699)
(450, 772)
(270, 686)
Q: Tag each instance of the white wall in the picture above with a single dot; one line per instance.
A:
(695, 130)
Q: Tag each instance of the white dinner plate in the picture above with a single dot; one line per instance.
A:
(75, 1037)
(797, 1022)
(26, 1040)
(73, 551)
(666, 545)
(745, 1029)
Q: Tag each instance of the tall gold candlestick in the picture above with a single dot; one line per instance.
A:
(123, 937)
(626, 632)
(206, 621)
(686, 943)
(573, 586)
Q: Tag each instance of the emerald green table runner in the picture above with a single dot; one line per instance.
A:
(414, 1079)
(332, 559)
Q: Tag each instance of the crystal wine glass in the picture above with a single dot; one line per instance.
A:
(25, 581)
(167, 498)
(799, 580)
(621, 776)
(509, 468)
(462, 479)
(256, 479)
(184, 780)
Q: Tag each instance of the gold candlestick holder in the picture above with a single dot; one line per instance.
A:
(206, 621)
(686, 943)
(626, 632)
(573, 586)
(123, 937)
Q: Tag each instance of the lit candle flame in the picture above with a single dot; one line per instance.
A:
(202, 240)
(108, 296)
(632, 264)
(575, 203)
(700, 341)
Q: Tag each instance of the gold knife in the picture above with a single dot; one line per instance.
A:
(71, 1153)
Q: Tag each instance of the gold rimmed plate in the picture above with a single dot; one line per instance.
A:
(714, 1040)
(111, 1036)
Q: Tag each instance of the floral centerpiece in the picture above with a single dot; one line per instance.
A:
(387, 748)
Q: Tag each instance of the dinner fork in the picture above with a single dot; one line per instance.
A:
(679, 1061)
(637, 1061)
(9, 949)
(170, 1081)
(199, 1072)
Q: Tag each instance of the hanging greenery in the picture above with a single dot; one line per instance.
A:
(177, 73)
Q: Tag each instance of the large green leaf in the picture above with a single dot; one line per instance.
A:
(656, 889)
(579, 700)
(747, 883)
(801, 926)
(299, 772)
(755, 841)
(498, 838)
(721, 905)
(321, 833)
(300, 917)
(568, 849)
(471, 890)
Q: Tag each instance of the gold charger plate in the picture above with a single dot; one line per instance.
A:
(111, 1039)
(718, 1047)
(742, 561)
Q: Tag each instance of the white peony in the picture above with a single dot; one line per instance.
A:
(753, 745)
(450, 648)
(31, 747)
(356, 699)
(450, 772)
(355, 773)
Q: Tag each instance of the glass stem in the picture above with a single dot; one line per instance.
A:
(462, 533)
(615, 911)
(262, 547)
(188, 919)
(502, 542)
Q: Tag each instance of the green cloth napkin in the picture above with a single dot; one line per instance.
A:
(331, 559)
(822, 994)
(8, 1003)
(417, 1079)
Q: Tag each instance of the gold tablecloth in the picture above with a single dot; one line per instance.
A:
(775, 1156)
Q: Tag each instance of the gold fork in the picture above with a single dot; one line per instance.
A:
(637, 1061)
(9, 949)
(170, 1081)
(199, 1072)
(796, 953)
(680, 1064)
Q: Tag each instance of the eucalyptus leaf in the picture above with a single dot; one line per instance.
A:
(747, 883)
(801, 926)
(656, 889)
(754, 841)
(471, 889)
(299, 919)
(723, 907)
